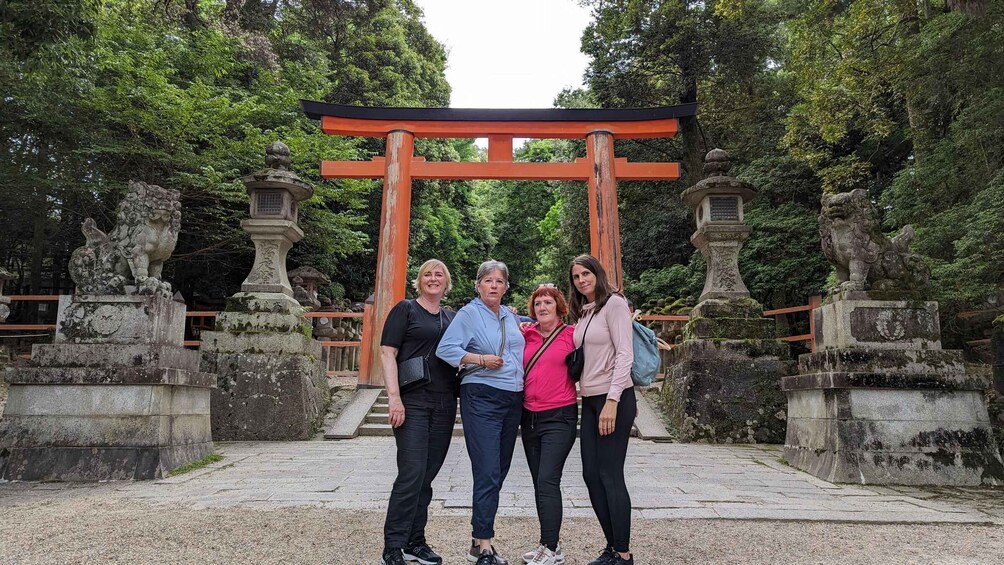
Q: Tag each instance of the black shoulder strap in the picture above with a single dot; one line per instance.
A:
(550, 339)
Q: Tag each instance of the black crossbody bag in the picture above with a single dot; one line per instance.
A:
(576, 360)
(414, 373)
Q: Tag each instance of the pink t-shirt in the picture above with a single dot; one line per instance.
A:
(547, 386)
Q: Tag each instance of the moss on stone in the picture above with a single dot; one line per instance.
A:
(194, 465)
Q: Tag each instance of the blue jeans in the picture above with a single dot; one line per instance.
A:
(491, 419)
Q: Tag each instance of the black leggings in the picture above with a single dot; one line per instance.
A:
(603, 466)
(548, 437)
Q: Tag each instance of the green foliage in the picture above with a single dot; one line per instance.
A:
(188, 96)
(902, 98)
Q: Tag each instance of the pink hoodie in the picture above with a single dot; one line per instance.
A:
(608, 349)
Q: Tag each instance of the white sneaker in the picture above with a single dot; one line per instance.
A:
(556, 558)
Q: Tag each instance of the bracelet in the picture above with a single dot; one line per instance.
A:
(482, 360)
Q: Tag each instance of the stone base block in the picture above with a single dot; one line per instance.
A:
(877, 324)
(263, 396)
(278, 344)
(936, 432)
(728, 391)
(106, 410)
(120, 320)
(943, 363)
(730, 328)
(108, 463)
(105, 355)
(263, 303)
(94, 432)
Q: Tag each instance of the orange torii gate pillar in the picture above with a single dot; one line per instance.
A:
(400, 126)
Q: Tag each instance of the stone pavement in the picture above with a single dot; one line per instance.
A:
(666, 480)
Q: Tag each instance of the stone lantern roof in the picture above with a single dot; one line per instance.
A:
(277, 174)
(310, 276)
(717, 182)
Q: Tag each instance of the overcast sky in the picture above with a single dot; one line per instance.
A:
(509, 53)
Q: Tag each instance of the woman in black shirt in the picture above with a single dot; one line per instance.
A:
(422, 416)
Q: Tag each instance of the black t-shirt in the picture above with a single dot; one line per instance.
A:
(416, 332)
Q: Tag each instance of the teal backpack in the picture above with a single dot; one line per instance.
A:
(646, 354)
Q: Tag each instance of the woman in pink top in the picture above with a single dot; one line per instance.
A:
(549, 414)
(603, 329)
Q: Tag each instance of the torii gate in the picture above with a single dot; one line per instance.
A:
(600, 169)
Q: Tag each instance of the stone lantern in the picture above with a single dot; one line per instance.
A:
(272, 383)
(275, 192)
(310, 281)
(717, 202)
(722, 381)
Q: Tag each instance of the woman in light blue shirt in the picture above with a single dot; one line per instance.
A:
(485, 341)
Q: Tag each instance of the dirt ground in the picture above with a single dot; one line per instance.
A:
(80, 530)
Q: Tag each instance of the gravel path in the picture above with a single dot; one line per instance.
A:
(84, 530)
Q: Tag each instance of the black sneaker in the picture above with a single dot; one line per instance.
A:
(422, 553)
(392, 556)
(475, 554)
(607, 557)
(622, 561)
(487, 558)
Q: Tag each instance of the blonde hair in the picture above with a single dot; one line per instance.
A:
(428, 266)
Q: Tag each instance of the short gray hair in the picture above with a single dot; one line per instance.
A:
(490, 266)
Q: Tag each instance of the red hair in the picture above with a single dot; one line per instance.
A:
(561, 306)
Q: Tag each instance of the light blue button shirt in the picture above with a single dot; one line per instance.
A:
(476, 329)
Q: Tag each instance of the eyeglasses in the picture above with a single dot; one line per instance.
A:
(546, 285)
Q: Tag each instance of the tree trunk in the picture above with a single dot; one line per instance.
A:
(38, 238)
(693, 143)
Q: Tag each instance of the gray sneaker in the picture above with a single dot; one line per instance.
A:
(559, 557)
(474, 554)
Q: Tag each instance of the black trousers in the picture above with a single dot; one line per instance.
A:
(548, 437)
(603, 466)
(422, 443)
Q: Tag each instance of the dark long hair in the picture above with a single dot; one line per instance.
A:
(576, 300)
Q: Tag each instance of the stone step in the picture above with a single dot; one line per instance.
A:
(382, 418)
(369, 429)
(347, 425)
(375, 423)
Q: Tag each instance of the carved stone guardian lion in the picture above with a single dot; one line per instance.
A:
(864, 257)
(133, 254)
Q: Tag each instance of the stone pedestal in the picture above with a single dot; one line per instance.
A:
(116, 396)
(723, 382)
(997, 404)
(879, 401)
(270, 378)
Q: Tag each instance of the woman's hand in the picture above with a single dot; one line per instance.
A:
(395, 411)
(608, 418)
(492, 361)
